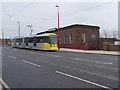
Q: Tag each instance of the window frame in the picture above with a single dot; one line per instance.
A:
(65, 38)
(83, 38)
(71, 38)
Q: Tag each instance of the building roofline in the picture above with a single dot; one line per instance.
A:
(70, 26)
(80, 25)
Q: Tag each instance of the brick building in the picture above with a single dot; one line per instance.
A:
(78, 36)
(5, 41)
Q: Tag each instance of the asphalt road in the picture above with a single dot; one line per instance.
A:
(23, 68)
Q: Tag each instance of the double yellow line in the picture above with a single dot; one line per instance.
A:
(5, 85)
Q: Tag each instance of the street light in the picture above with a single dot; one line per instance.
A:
(58, 29)
(30, 27)
(3, 37)
(19, 28)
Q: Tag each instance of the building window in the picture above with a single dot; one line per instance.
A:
(71, 38)
(65, 38)
(83, 37)
(60, 39)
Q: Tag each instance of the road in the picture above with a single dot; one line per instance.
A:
(24, 68)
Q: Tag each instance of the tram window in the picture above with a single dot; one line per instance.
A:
(17, 40)
(26, 40)
(35, 39)
(20, 40)
(47, 40)
(38, 39)
(41, 40)
(13, 40)
(30, 40)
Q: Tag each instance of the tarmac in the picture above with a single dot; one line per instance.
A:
(116, 53)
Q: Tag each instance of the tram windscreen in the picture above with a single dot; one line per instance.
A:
(53, 39)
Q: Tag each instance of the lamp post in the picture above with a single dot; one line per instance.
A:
(18, 28)
(58, 29)
(30, 27)
(3, 37)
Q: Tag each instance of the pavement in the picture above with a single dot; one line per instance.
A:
(116, 53)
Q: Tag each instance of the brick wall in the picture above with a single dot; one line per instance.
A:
(110, 47)
(77, 42)
(114, 47)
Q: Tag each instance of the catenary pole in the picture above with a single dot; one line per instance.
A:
(58, 29)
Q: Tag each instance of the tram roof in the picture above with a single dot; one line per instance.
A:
(45, 34)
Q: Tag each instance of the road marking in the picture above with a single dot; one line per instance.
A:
(83, 80)
(0, 87)
(92, 61)
(14, 49)
(108, 63)
(110, 58)
(31, 63)
(6, 86)
(55, 56)
(12, 57)
(50, 55)
(31, 52)
(72, 68)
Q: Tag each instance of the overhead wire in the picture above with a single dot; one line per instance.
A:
(83, 10)
(71, 13)
(21, 9)
(68, 14)
(80, 11)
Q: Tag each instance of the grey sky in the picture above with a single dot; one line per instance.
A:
(43, 15)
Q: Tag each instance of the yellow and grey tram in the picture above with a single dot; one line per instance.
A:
(47, 41)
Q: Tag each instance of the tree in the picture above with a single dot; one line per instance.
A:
(109, 34)
(114, 34)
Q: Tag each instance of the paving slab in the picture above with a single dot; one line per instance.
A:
(92, 51)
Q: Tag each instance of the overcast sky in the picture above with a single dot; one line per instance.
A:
(43, 15)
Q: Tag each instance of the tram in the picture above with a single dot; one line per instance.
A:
(47, 41)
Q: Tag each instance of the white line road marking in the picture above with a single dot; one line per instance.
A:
(108, 63)
(72, 68)
(83, 80)
(46, 54)
(0, 87)
(12, 57)
(14, 49)
(55, 56)
(92, 61)
(50, 55)
(31, 63)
